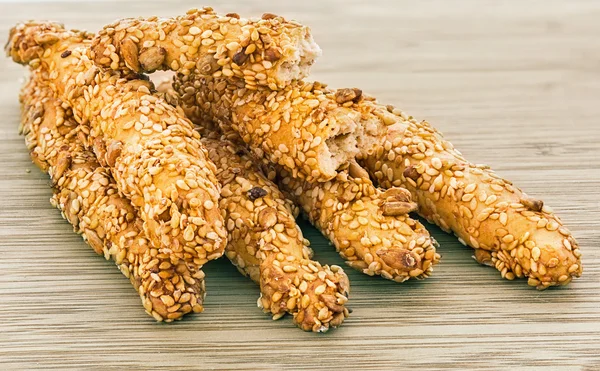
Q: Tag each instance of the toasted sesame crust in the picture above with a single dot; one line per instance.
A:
(266, 52)
(516, 234)
(300, 127)
(169, 283)
(266, 244)
(154, 154)
(369, 227)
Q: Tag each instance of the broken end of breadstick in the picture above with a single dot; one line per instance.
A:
(315, 295)
(27, 41)
(297, 65)
(356, 217)
(269, 52)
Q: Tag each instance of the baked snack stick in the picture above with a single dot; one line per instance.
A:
(388, 143)
(268, 52)
(370, 228)
(305, 128)
(169, 283)
(153, 152)
(266, 244)
(515, 233)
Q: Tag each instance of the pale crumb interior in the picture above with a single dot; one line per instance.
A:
(341, 148)
(341, 145)
(352, 135)
(367, 134)
(298, 66)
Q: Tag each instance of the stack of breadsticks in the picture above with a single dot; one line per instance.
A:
(192, 196)
(162, 197)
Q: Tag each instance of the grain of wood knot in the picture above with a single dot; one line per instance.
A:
(347, 94)
(533, 204)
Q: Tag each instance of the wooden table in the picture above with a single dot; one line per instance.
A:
(514, 84)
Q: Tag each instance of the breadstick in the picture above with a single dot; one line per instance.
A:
(509, 230)
(154, 154)
(370, 228)
(300, 127)
(266, 244)
(515, 233)
(267, 52)
(169, 284)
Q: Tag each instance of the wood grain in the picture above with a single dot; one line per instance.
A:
(514, 84)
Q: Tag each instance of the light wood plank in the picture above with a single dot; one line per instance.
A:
(513, 84)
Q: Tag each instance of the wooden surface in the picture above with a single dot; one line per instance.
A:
(514, 84)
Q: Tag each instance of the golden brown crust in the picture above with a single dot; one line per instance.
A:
(266, 244)
(269, 52)
(169, 284)
(302, 127)
(508, 229)
(368, 227)
(153, 152)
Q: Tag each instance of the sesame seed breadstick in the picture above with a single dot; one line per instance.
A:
(301, 127)
(510, 231)
(87, 196)
(266, 244)
(266, 52)
(517, 234)
(154, 154)
(370, 228)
